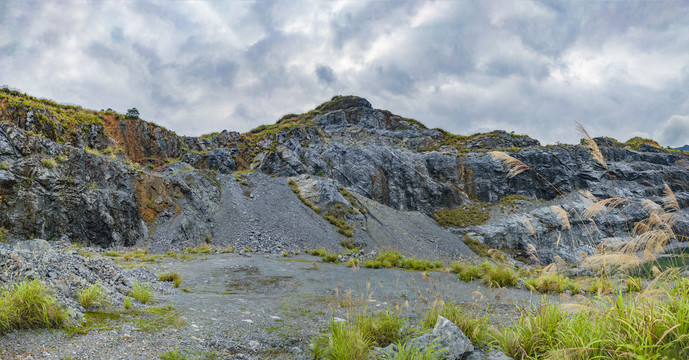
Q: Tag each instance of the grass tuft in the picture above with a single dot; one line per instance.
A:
(142, 292)
(93, 296)
(28, 304)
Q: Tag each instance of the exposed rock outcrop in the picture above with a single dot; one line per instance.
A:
(145, 184)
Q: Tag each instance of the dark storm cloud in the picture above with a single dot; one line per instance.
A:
(325, 74)
(619, 68)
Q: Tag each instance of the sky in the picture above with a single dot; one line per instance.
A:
(620, 68)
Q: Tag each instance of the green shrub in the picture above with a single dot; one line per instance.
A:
(177, 282)
(353, 262)
(142, 292)
(93, 296)
(48, 163)
(27, 304)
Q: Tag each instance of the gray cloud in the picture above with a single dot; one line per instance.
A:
(532, 67)
(325, 74)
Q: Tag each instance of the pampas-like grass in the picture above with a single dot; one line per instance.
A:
(593, 147)
(605, 204)
(514, 166)
(564, 217)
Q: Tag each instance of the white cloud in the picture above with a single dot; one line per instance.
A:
(528, 66)
(674, 132)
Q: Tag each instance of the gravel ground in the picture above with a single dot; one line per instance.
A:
(256, 306)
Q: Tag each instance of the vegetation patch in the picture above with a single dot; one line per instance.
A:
(26, 305)
(466, 272)
(550, 282)
(93, 296)
(476, 246)
(466, 215)
(475, 328)
(142, 292)
(393, 259)
(334, 215)
(48, 163)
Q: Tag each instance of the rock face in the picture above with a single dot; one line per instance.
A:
(146, 185)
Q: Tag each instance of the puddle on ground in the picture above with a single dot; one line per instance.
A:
(242, 279)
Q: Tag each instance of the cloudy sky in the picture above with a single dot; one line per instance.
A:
(621, 68)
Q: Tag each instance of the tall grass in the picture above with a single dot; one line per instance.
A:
(28, 304)
(615, 327)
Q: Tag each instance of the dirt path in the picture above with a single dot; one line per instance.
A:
(257, 306)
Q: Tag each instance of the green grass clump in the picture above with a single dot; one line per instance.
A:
(173, 355)
(142, 292)
(633, 284)
(616, 327)
(48, 163)
(382, 329)
(318, 252)
(464, 216)
(387, 259)
(499, 276)
(343, 342)
(410, 351)
(127, 302)
(28, 304)
(353, 262)
(169, 276)
(330, 257)
(93, 296)
(551, 283)
(419, 265)
(112, 254)
(466, 272)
